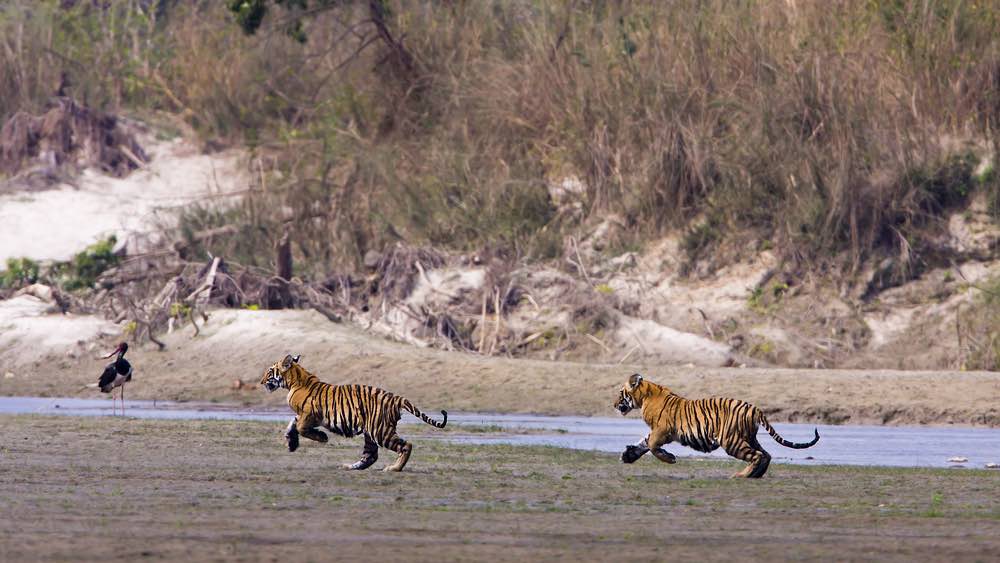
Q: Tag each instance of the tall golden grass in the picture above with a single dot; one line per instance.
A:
(831, 132)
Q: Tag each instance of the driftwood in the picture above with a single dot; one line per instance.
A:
(201, 236)
(162, 291)
(328, 313)
(282, 296)
(283, 250)
(69, 134)
(203, 293)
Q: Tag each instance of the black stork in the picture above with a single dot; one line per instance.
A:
(115, 375)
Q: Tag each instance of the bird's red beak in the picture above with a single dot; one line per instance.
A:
(115, 351)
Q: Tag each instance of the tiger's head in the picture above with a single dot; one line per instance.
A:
(274, 376)
(628, 397)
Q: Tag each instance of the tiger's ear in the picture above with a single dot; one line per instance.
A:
(296, 358)
(287, 362)
(634, 380)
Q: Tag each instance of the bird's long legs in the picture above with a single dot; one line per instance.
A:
(114, 412)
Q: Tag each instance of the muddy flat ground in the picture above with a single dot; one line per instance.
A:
(100, 488)
(238, 345)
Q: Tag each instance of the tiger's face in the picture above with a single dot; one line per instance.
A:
(627, 397)
(274, 376)
(272, 379)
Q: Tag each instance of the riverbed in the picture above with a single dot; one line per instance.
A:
(895, 446)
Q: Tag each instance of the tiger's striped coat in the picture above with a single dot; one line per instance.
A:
(346, 410)
(701, 424)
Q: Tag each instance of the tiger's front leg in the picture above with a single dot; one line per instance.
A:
(292, 435)
(633, 452)
(664, 456)
(306, 428)
(655, 443)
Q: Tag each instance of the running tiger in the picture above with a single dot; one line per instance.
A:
(347, 410)
(702, 424)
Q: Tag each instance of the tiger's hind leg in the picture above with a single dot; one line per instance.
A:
(369, 455)
(749, 451)
(760, 468)
(763, 460)
(400, 446)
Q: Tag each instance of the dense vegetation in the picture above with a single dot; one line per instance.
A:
(832, 135)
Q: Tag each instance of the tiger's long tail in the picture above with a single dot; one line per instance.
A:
(416, 412)
(777, 437)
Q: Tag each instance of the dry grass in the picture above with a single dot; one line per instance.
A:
(979, 333)
(836, 135)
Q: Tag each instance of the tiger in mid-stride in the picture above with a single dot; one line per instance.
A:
(347, 410)
(701, 424)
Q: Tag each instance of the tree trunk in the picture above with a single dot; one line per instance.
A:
(284, 260)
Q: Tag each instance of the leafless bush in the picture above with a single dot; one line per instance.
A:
(398, 270)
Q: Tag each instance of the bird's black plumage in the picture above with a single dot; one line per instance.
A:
(117, 372)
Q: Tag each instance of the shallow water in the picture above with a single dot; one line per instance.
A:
(897, 446)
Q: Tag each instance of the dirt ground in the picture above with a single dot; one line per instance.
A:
(238, 345)
(110, 489)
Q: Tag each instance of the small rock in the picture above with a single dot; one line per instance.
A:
(372, 259)
(238, 384)
(39, 290)
(8, 375)
(567, 190)
(957, 459)
(121, 247)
